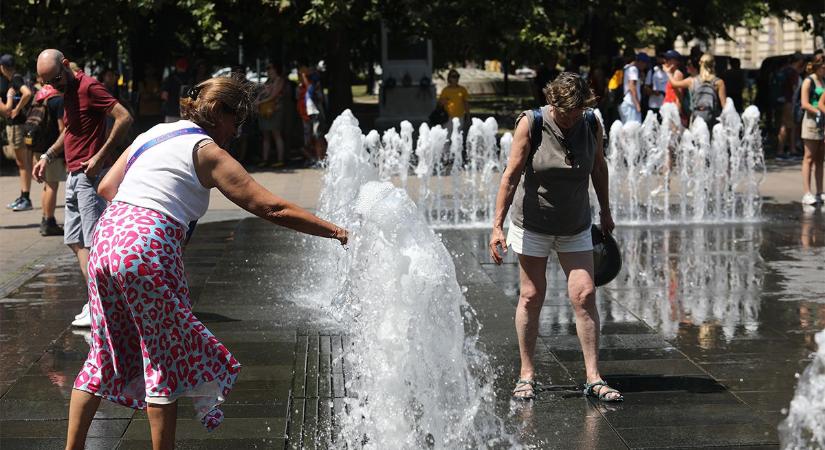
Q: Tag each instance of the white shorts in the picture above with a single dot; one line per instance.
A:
(530, 243)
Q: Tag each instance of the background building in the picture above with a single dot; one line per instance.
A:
(775, 37)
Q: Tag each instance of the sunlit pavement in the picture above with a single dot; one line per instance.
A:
(703, 331)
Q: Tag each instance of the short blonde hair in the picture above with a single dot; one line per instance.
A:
(205, 101)
(569, 91)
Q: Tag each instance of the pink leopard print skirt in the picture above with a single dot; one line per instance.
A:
(147, 346)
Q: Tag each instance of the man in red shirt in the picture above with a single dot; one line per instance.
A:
(86, 148)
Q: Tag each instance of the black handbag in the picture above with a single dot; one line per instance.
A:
(438, 116)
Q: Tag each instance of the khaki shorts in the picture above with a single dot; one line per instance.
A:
(810, 130)
(14, 133)
(55, 170)
(530, 243)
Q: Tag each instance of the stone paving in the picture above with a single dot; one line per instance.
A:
(702, 363)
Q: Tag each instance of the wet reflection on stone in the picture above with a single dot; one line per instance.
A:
(706, 277)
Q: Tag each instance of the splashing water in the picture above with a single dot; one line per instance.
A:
(713, 175)
(804, 428)
(417, 378)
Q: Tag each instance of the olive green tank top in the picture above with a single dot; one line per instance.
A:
(552, 196)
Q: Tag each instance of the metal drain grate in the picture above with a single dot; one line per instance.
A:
(318, 390)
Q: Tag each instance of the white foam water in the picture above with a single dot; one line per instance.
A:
(416, 378)
(662, 173)
(804, 428)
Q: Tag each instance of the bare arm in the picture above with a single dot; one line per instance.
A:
(821, 103)
(631, 85)
(519, 152)
(111, 182)
(681, 84)
(39, 169)
(600, 178)
(123, 120)
(804, 96)
(25, 98)
(216, 168)
(722, 91)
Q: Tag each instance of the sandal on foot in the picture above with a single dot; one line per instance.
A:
(525, 386)
(601, 394)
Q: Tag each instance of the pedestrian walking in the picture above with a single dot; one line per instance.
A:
(16, 98)
(707, 91)
(813, 138)
(43, 133)
(86, 149)
(270, 106)
(631, 107)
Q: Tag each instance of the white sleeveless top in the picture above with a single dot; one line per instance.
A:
(163, 177)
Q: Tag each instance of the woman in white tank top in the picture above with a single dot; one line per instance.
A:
(148, 349)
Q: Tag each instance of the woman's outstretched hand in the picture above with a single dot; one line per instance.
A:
(497, 239)
(341, 234)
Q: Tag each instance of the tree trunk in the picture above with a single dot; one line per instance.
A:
(339, 75)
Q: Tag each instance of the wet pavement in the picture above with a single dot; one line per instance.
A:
(704, 332)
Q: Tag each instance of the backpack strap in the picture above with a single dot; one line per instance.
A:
(536, 132)
(162, 138)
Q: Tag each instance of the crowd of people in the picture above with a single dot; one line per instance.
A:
(795, 108)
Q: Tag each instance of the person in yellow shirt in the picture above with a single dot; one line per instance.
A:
(454, 98)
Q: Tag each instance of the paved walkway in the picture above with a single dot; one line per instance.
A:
(701, 363)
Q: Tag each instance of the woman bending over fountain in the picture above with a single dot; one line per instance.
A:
(547, 187)
(148, 349)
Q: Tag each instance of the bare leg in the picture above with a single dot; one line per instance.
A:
(49, 200)
(82, 254)
(811, 147)
(82, 408)
(532, 287)
(279, 145)
(818, 160)
(265, 147)
(163, 422)
(23, 157)
(578, 266)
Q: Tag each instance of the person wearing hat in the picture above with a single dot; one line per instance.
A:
(673, 60)
(631, 107)
(16, 97)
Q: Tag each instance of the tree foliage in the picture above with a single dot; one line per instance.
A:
(345, 33)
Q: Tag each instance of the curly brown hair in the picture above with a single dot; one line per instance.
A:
(569, 91)
(207, 99)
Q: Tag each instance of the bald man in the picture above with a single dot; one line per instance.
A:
(87, 151)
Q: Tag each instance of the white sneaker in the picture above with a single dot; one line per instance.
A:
(83, 312)
(808, 199)
(85, 319)
(820, 198)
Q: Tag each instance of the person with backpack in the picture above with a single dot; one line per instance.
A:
(556, 152)
(43, 127)
(14, 107)
(813, 138)
(707, 91)
(631, 107)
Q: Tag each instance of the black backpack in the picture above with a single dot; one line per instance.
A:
(36, 127)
